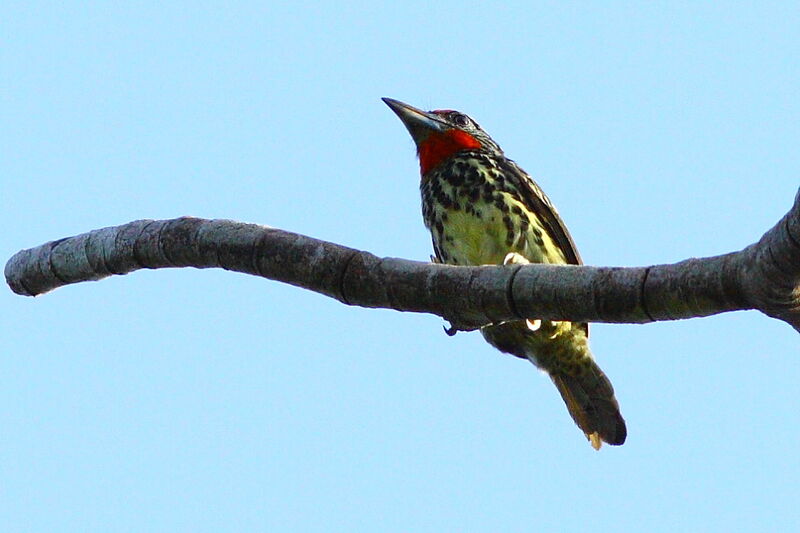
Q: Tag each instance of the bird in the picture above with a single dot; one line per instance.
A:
(481, 208)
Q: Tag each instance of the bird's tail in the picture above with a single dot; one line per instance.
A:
(562, 350)
(591, 403)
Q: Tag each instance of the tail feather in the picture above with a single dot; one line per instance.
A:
(561, 349)
(591, 403)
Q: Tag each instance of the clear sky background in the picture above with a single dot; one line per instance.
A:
(188, 400)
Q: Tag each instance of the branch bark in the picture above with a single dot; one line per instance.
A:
(763, 276)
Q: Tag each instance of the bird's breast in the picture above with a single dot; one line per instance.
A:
(476, 217)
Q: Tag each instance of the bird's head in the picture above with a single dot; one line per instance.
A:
(441, 134)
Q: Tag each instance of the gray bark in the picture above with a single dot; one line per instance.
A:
(764, 276)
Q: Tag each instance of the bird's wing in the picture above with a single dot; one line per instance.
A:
(541, 205)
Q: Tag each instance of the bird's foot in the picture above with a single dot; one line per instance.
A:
(513, 258)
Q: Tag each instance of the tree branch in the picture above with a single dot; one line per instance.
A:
(763, 276)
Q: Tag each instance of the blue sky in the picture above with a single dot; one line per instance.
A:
(186, 400)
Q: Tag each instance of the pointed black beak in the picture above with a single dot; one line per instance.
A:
(419, 123)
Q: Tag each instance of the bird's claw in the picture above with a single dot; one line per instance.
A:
(452, 330)
(513, 258)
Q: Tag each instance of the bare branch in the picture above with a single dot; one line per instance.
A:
(763, 276)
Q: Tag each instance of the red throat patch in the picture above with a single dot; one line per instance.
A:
(440, 146)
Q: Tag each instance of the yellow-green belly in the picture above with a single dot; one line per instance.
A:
(485, 233)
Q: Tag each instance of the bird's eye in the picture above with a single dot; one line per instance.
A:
(462, 121)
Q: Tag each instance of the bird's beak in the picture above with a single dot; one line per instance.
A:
(418, 123)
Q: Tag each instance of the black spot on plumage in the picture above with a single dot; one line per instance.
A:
(456, 179)
(440, 196)
(488, 192)
(473, 177)
(432, 191)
